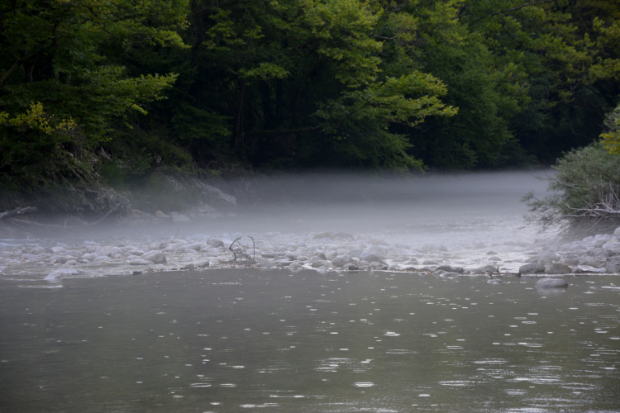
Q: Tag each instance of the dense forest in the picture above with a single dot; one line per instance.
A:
(93, 89)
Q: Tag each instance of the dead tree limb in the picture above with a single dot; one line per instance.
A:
(241, 252)
(17, 211)
(15, 221)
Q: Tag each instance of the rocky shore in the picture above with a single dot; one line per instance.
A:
(52, 261)
(477, 234)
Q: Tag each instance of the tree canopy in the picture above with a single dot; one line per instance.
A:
(394, 84)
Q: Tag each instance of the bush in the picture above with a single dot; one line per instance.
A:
(584, 190)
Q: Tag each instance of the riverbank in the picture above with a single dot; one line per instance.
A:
(450, 226)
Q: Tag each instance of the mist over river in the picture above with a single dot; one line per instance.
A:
(282, 324)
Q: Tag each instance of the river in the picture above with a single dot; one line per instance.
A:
(110, 336)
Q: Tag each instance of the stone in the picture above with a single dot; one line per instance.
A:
(179, 218)
(323, 235)
(195, 246)
(156, 257)
(487, 268)
(295, 267)
(139, 261)
(342, 260)
(370, 257)
(448, 268)
(592, 262)
(345, 235)
(331, 255)
(612, 248)
(160, 245)
(430, 262)
(320, 263)
(544, 283)
(613, 267)
(351, 267)
(58, 275)
(532, 269)
(161, 215)
(557, 268)
(215, 242)
(617, 232)
(203, 264)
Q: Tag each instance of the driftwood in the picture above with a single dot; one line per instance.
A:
(20, 222)
(17, 211)
(240, 252)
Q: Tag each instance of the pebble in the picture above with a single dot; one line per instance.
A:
(323, 252)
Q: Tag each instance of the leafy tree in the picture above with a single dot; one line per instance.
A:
(298, 83)
(611, 138)
(60, 94)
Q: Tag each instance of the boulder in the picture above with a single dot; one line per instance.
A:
(592, 262)
(487, 268)
(216, 243)
(617, 232)
(551, 283)
(448, 268)
(351, 267)
(370, 257)
(320, 263)
(557, 268)
(612, 248)
(532, 269)
(342, 260)
(139, 261)
(613, 267)
(156, 257)
(58, 275)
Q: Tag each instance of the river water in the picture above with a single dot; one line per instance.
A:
(274, 341)
(229, 339)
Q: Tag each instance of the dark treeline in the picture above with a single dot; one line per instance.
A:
(115, 88)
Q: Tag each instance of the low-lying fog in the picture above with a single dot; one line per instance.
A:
(433, 203)
(467, 220)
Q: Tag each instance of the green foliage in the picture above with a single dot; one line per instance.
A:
(586, 180)
(611, 138)
(383, 84)
(60, 94)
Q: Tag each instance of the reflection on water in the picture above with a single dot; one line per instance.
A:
(241, 340)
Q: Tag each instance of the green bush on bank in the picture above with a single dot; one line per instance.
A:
(586, 184)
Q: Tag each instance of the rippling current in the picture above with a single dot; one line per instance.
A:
(274, 341)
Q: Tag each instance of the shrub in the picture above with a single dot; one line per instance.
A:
(584, 191)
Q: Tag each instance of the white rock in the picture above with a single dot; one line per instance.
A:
(58, 275)
(139, 261)
(612, 247)
(157, 257)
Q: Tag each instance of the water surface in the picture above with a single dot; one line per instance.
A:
(274, 341)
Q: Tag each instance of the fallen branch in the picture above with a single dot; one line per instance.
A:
(16, 221)
(240, 251)
(17, 211)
